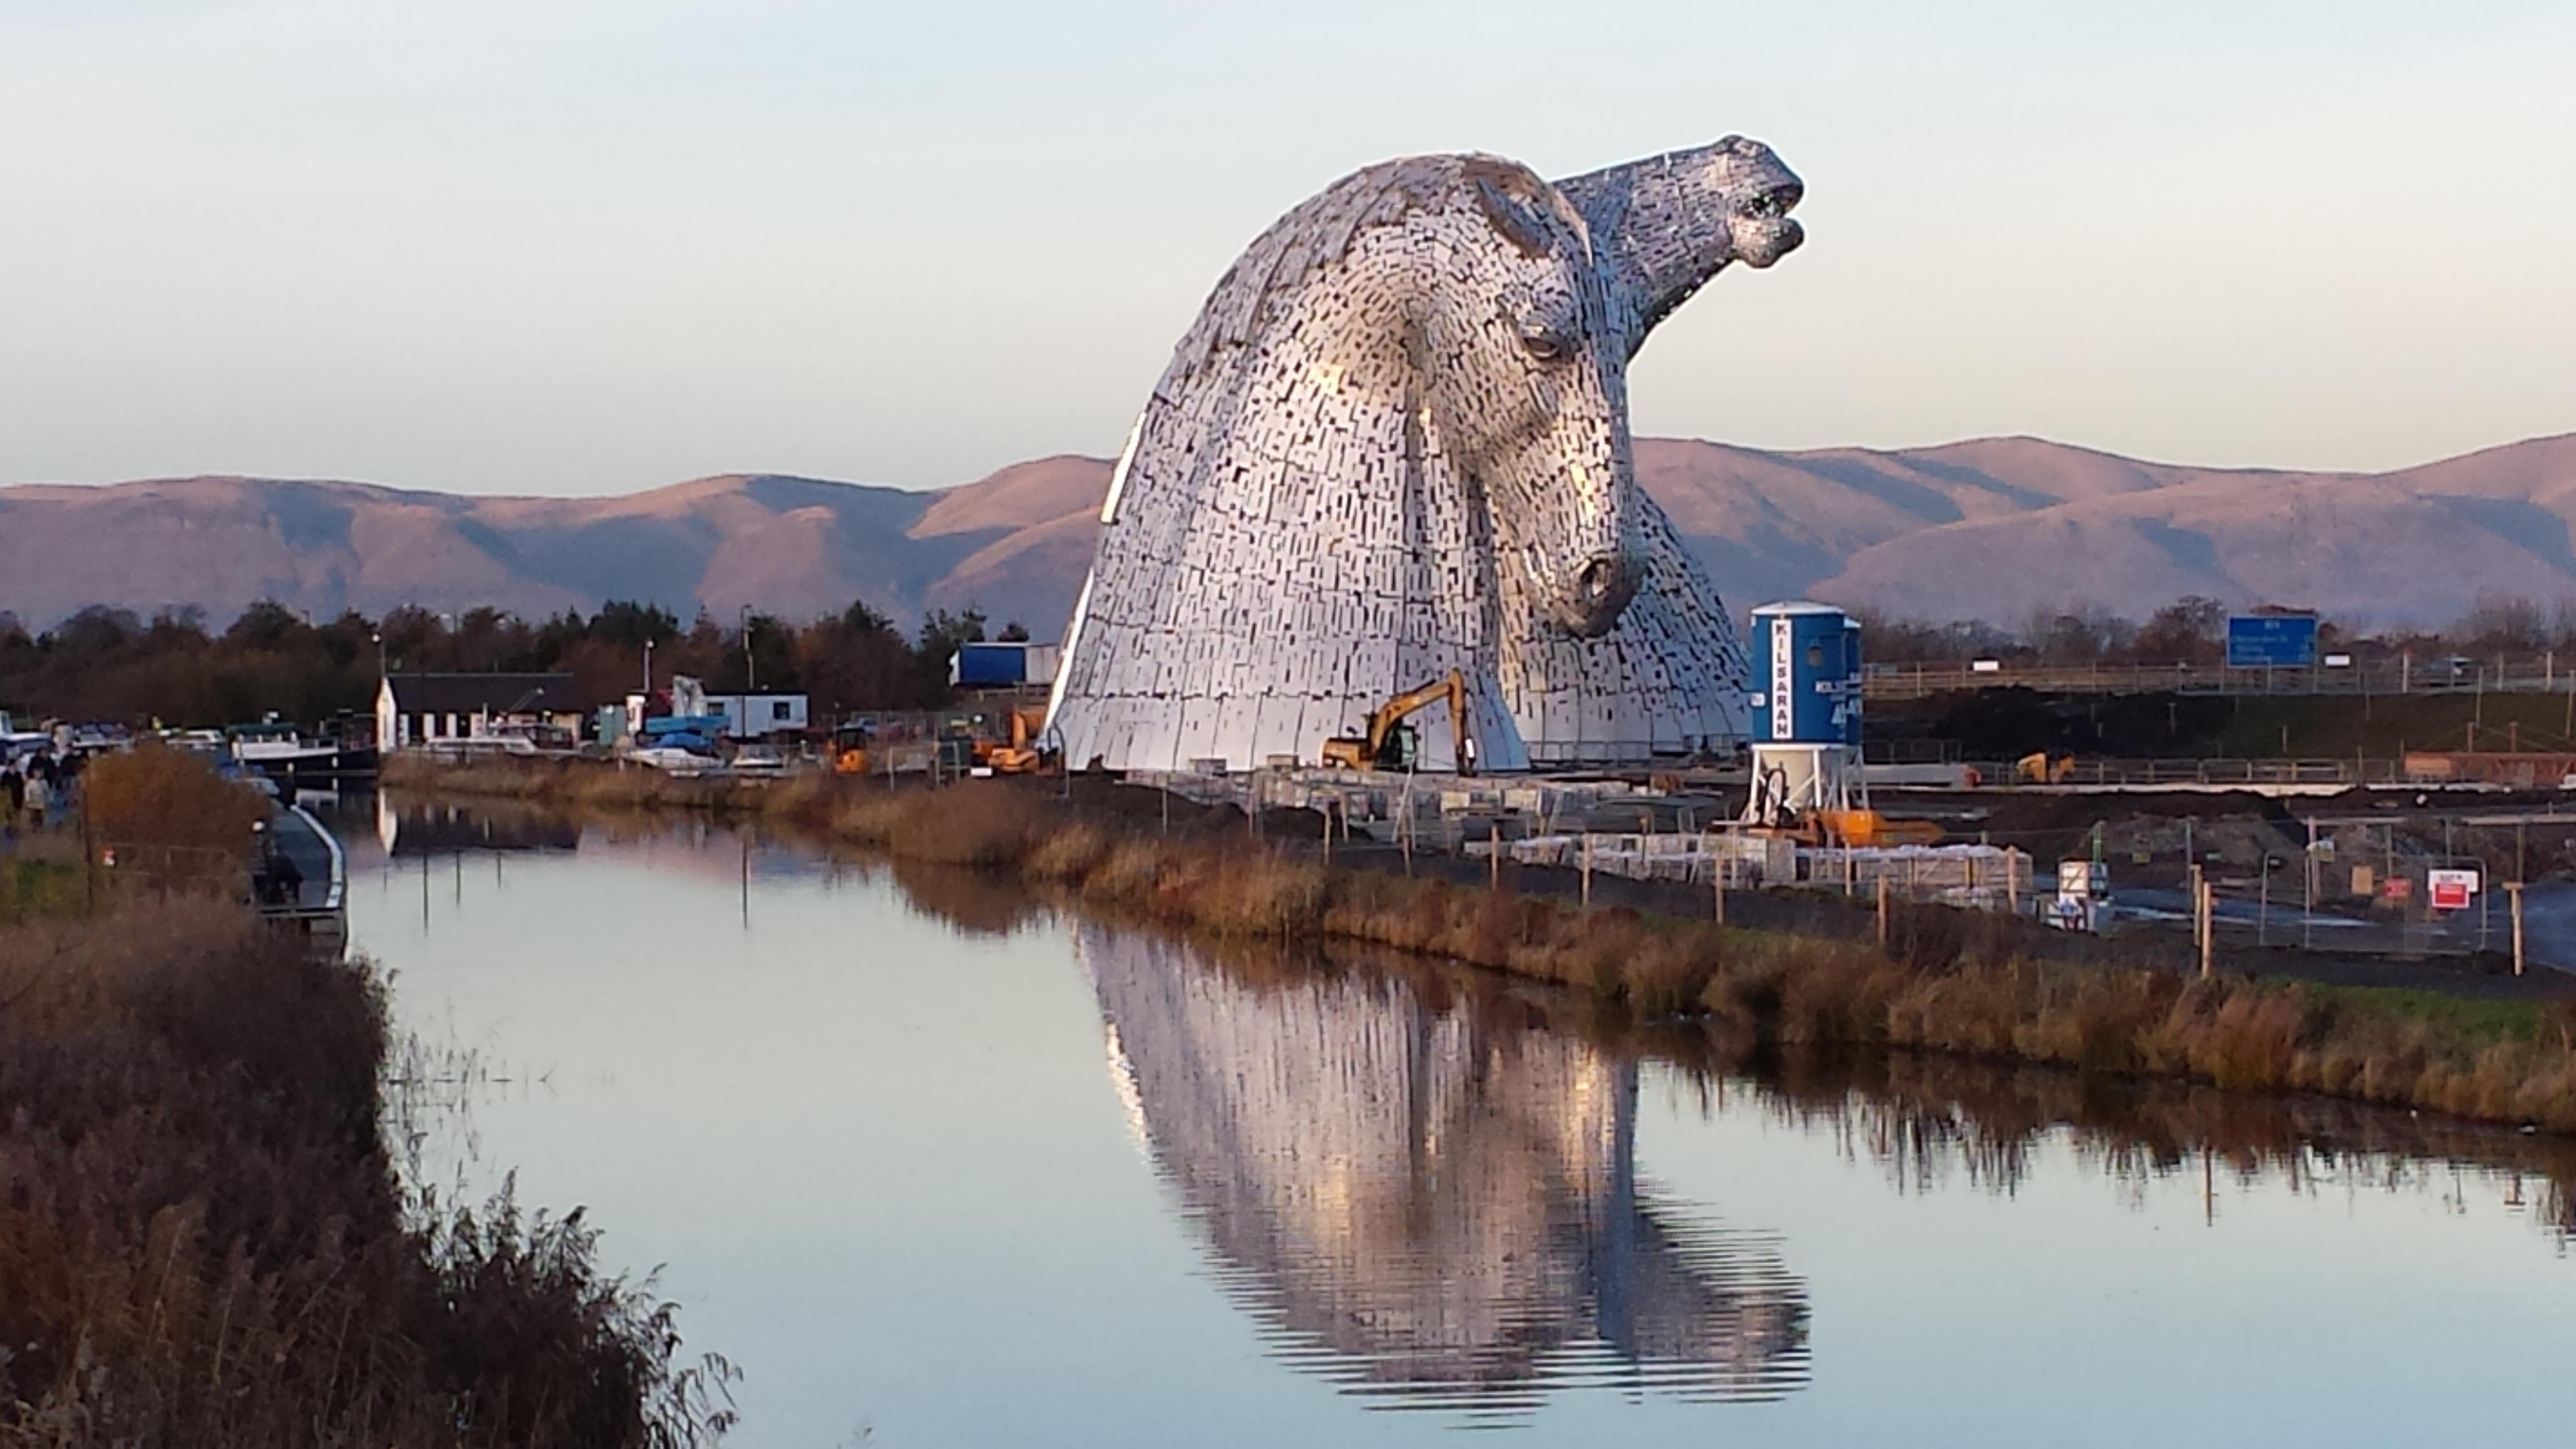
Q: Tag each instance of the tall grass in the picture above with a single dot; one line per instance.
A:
(565, 782)
(202, 1241)
(41, 876)
(1948, 981)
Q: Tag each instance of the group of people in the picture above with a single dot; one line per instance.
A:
(36, 787)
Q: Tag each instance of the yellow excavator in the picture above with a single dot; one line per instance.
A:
(850, 745)
(1386, 745)
(2037, 768)
(1021, 756)
(1865, 829)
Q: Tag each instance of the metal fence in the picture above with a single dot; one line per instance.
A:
(2404, 674)
(2144, 773)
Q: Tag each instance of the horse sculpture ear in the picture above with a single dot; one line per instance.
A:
(1518, 218)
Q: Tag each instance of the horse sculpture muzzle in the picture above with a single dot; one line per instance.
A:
(1602, 588)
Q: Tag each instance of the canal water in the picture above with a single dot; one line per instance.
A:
(935, 1167)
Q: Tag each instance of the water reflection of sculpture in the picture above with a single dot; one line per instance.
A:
(1432, 1202)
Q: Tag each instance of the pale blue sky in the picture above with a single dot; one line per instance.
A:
(516, 246)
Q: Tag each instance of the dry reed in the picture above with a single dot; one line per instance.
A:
(202, 1240)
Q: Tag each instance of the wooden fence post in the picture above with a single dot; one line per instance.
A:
(2207, 913)
(2513, 893)
(2193, 873)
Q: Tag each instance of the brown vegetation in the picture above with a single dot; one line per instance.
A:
(1923, 1114)
(1949, 982)
(575, 783)
(170, 819)
(202, 1241)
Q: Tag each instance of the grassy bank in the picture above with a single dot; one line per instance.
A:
(1949, 981)
(1926, 1114)
(203, 1240)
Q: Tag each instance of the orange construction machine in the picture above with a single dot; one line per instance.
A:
(1388, 744)
(1023, 755)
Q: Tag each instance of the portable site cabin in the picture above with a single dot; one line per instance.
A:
(757, 716)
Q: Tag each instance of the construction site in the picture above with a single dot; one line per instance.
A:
(2392, 813)
(2241, 826)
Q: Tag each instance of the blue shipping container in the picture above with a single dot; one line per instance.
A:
(997, 665)
(2271, 641)
(987, 666)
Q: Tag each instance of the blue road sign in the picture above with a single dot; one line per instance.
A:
(2271, 641)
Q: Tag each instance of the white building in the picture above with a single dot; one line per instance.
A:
(420, 709)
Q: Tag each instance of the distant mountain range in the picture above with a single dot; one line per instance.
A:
(1991, 529)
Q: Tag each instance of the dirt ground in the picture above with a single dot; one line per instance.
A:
(2005, 724)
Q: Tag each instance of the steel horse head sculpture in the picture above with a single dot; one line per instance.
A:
(1395, 444)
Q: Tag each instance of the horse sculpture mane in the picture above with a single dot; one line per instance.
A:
(1394, 445)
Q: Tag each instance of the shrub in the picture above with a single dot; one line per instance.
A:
(169, 815)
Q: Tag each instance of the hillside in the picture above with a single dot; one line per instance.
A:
(1992, 529)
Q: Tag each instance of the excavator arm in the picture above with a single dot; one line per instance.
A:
(1397, 710)
(1357, 753)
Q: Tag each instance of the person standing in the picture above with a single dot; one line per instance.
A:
(13, 794)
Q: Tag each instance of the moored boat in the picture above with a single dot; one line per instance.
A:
(285, 754)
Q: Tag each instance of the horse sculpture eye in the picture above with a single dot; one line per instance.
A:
(1546, 346)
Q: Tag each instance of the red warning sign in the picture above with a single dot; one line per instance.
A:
(2450, 890)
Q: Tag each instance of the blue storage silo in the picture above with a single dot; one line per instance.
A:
(1806, 675)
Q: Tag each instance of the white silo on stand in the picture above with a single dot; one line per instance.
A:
(1806, 712)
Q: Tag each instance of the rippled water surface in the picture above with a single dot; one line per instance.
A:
(937, 1169)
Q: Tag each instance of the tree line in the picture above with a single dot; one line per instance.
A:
(109, 664)
(174, 670)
